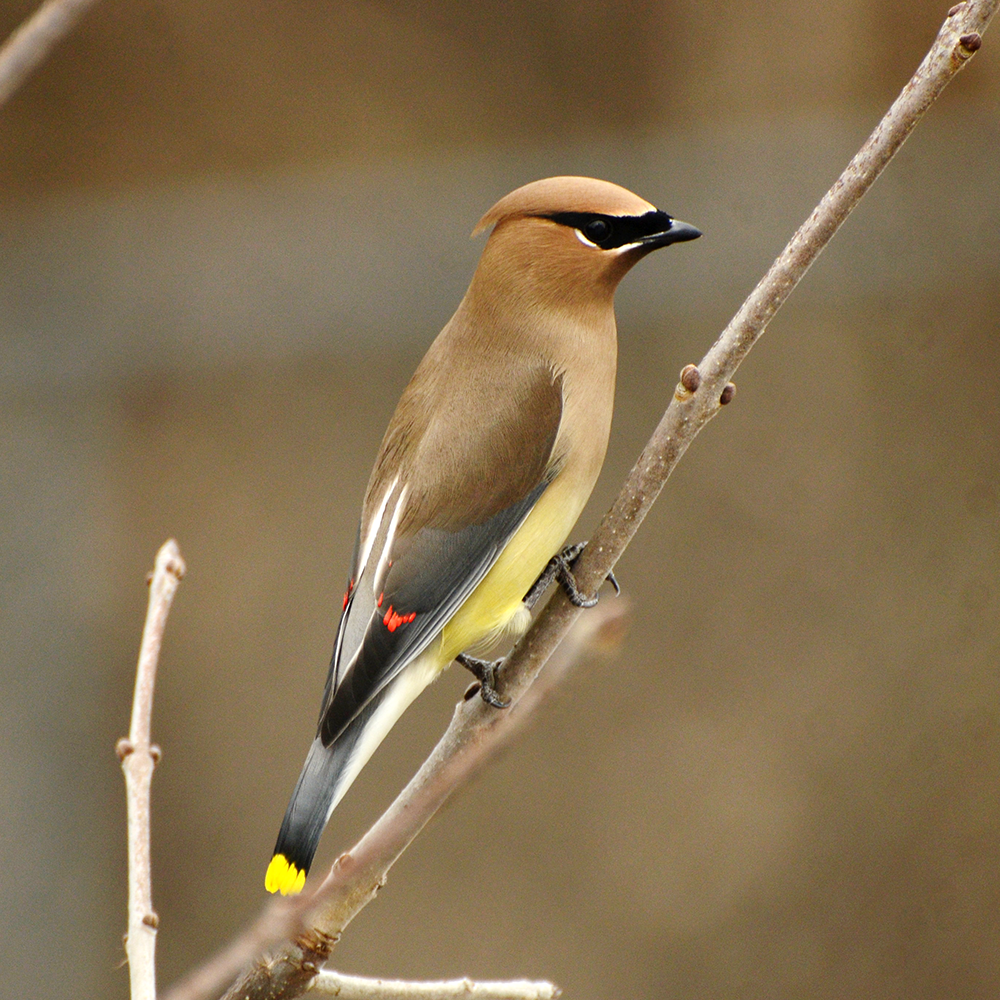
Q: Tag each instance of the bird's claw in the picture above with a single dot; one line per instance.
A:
(485, 671)
(560, 567)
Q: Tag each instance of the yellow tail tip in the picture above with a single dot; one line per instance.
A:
(282, 876)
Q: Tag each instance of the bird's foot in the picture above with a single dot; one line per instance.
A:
(485, 671)
(560, 568)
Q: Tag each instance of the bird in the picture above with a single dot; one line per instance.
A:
(487, 462)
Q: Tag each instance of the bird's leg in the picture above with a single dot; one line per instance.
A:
(560, 568)
(485, 671)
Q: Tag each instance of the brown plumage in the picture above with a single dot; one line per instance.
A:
(488, 460)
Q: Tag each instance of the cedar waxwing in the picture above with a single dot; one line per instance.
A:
(488, 460)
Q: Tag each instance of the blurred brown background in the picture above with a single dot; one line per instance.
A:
(228, 233)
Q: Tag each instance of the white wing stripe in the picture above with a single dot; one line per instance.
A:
(381, 568)
(376, 523)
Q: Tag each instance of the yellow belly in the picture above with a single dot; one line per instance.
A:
(498, 598)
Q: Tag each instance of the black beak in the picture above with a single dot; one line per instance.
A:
(677, 232)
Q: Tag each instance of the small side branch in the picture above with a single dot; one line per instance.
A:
(138, 759)
(335, 984)
(32, 41)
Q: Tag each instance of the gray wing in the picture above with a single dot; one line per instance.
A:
(466, 500)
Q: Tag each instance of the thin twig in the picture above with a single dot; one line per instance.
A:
(138, 759)
(31, 42)
(336, 984)
(357, 875)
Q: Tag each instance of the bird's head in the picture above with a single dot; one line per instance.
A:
(566, 233)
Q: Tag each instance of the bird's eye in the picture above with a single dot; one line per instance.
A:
(597, 230)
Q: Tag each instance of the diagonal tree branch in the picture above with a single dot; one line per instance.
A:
(138, 759)
(698, 398)
(316, 920)
(454, 760)
(30, 43)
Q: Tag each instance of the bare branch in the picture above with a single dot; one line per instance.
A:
(138, 759)
(357, 875)
(959, 38)
(32, 41)
(335, 984)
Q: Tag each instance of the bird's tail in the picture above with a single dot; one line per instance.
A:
(330, 770)
(318, 790)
